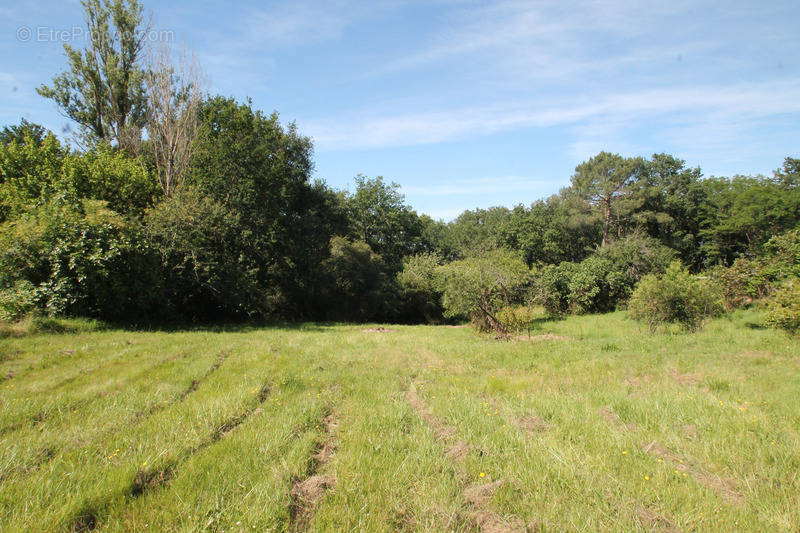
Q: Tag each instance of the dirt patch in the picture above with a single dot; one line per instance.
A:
(481, 494)
(148, 480)
(378, 330)
(458, 451)
(539, 338)
(306, 494)
(85, 520)
(726, 488)
(655, 521)
(532, 424)
(691, 378)
(611, 418)
(488, 522)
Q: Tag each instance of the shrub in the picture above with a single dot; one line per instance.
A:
(17, 300)
(418, 283)
(742, 282)
(358, 288)
(675, 297)
(480, 286)
(519, 318)
(784, 310)
(208, 271)
(67, 260)
(603, 280)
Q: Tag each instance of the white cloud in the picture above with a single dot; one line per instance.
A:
(592, 119)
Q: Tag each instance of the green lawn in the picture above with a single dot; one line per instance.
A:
(598, 426)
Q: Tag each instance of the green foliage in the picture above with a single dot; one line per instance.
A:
(418, 283)
(30, 173)
(17, 300)
(380, 217)
(23, 133)
(603, 280)
(103, 87)
(259, 171)
(783, 253)
(743, 282)
(110, 175)
(521, 318)
(742, 213)
(784, 310)
(603, 181)
(675, 297)
(206, 271)
(78, 261)
(478, 287)
(358, 281)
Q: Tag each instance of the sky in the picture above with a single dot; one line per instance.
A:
(469, 104)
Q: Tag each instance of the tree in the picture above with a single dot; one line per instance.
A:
(479, 287)
(24, 132)
(380, 217)
(357, 289)
(173, 94)
(259, 170)
(103, 88)
(418, 282)
(602, 181)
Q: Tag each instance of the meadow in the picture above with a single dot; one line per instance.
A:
(589, 424)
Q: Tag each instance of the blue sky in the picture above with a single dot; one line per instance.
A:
(472, 104)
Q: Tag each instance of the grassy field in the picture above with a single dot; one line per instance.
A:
(591, 425)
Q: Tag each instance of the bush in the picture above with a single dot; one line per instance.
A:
(743, 282)
(784, 310)
(67, 260)
(479, 287)
(17, 300)
(519, 318)
(358, 288)
(675, 297)
(207, 269)
(603, 280)
(418, 283)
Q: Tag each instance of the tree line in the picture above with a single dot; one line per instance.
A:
(174, 204)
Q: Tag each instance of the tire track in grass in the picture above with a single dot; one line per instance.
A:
(306, 494)
(477, 496)
(146, 480)
(193, 386)
(43, 414)
(725, 488)
(684, 465)
(40, 459)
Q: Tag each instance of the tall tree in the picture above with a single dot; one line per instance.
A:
(380, 217)
(173, 93)
(602, 181)
(103, 88)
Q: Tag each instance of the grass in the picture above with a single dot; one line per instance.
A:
(326, 427)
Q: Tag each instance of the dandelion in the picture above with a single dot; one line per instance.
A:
(625, 452)
(661, 460)
(482, 474)
(647, 478)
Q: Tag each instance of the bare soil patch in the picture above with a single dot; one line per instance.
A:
(688, 379)
(655, 521)
(611, 418)
(306, 494)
